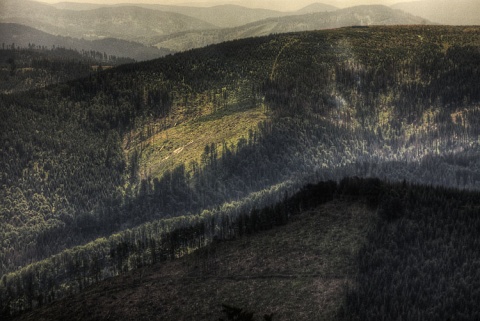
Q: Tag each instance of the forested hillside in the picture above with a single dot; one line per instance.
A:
(35, 67)
(360, 249)
(117, 162)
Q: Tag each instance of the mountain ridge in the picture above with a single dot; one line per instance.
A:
(463, 12)
(224, 16)
(316, 7)
(127, 23)
(23, 36)
(360, 15)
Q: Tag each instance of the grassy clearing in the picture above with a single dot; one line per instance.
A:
(218, 115)
(298, 272)
(185, 143)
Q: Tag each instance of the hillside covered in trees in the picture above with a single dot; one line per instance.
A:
(148, 161)
(36, 67)
(360, 249)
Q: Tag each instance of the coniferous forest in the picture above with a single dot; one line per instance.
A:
(144, 163)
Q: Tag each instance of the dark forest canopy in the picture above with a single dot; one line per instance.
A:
(418, 257)
(227, 128)
(34, 66)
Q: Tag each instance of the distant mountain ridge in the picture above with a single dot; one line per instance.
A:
(316, 7)
(270, 5)
(460, 12)
(224, 16)
(127, 23)
(179, 28)
(360, 15)
(78, 6)
(23, 36)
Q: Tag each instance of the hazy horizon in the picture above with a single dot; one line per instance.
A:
(269, 4)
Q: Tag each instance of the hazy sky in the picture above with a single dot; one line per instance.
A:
(273, 4)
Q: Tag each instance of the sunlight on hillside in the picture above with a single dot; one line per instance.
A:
(185, 142)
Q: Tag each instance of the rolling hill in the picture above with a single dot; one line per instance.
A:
(229, 16)
(316, 7)
(78, 6)
(355, 16)
(147, 162)
(222, 16)
(23, 36)
(462, 12)
(126, 23)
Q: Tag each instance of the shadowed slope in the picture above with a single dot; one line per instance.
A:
(298, 271)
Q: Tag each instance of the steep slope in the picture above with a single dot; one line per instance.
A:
(127, 23)
(355, 16)
(24, 37)
(361, 249)
(297, 272)
(461, 12)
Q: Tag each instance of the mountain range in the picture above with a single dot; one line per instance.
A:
(461, 12)
(223, 16)
(23, 36)
(128, 23)
(321, 163)
(132, 31)
(355, 16)
(178, 28)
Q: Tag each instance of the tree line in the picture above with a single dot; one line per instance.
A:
(418, 261)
